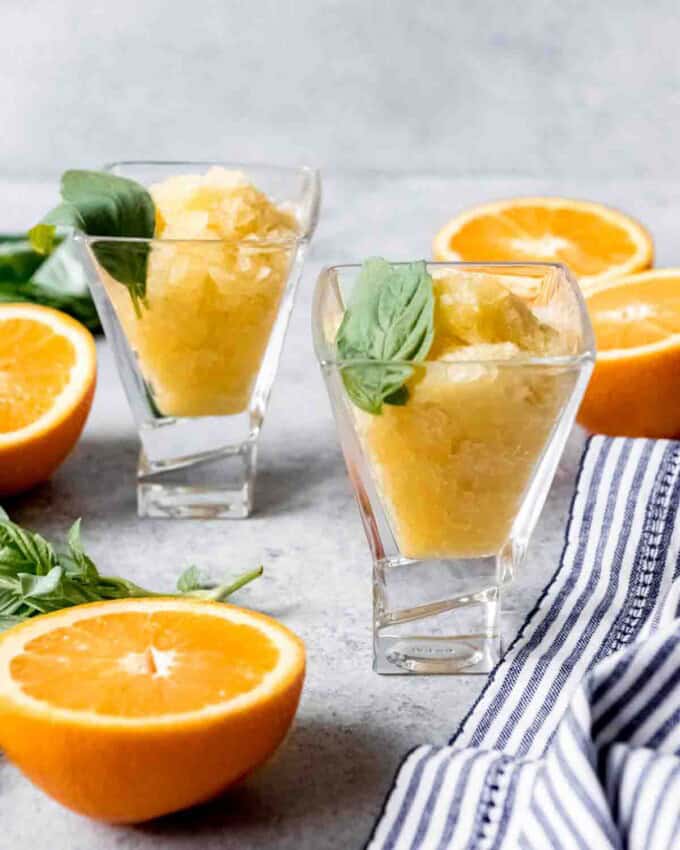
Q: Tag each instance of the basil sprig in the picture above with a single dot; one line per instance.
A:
(58, 281)
(18, 260)
(36, 579)
(102, 204)
(390, 320)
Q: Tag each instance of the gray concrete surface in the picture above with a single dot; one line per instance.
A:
(326, 786)
(526, 86)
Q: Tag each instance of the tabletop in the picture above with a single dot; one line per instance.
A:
(325, 787)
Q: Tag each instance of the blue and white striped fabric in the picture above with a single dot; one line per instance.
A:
(575, 741)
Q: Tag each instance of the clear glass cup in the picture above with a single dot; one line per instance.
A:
(198, 356)
(450, 485)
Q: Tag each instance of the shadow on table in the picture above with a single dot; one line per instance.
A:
(291, 483)
(98, 479)
(328, 781)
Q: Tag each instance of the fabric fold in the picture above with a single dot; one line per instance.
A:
(585, 704)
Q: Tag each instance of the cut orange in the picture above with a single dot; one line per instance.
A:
(130, 709)
(596, 242)
(48, 366)
(635, 388)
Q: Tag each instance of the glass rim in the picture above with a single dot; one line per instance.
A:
(586, 353)
(520, 361)
(502, 264)
(300, 238)
(254, 241)
(227, 163)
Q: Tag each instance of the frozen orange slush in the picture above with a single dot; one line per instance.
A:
(453, 463)
(212, 295)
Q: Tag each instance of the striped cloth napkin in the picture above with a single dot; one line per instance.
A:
(575, 740)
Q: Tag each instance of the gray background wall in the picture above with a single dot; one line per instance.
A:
(467, 86)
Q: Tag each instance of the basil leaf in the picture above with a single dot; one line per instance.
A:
(34, 579)
(370, 385)
(80, 307)
(44, 555)
(398, 398)
(10, 598)
(190, 580)
(108, 204)
(37, 585)
(62, 282)
(102, 204)
(390, 317)
(18, 260)
(126, 262)
(81, 565)
(43, 236)
(13, 560)
(58, 281)
(31, 548)
(11, 603)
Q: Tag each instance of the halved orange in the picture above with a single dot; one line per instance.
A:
(595, 241)
(48, 366)
(635, 388)
(130, 709)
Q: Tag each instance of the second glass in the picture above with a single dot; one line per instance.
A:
(450, 482)
(198, 348)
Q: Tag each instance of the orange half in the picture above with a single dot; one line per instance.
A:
(634, 388)
(48, 365)
(130, 709)
(595, 241)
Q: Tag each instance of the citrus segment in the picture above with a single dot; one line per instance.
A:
(634, 388)
(595, 241)
(130, 709)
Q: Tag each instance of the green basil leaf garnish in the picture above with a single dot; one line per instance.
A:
(390, 320)
(102, 204)
(36, 578)
(18, 260)
(58, 281)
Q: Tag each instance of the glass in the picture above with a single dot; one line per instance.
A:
(198, 355)
(450, 485)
